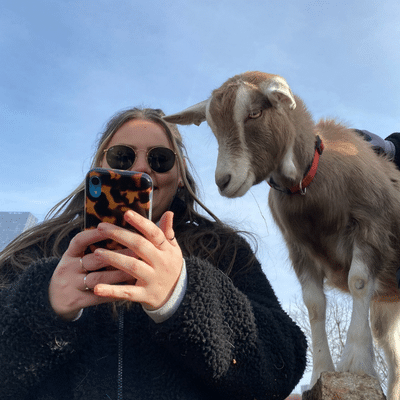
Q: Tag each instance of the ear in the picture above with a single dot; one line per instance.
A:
(278, 92)
(193, 115)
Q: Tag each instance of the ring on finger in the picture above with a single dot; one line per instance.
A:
(82, 266)
(84, 281)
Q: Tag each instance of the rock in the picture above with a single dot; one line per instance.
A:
(345, 386)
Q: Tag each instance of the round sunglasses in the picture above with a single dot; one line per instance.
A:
(121, 156)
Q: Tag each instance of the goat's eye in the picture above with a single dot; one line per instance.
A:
(255, 114)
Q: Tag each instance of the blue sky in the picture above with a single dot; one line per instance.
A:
(67, 66)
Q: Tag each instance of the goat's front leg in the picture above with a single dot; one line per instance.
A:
(358, 354)
(315, 301)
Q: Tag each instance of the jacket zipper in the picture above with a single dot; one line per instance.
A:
(120, 395)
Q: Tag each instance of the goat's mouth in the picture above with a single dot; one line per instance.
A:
(235, 186)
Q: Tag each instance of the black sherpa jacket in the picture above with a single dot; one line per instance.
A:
(395, 139)
(229, 339)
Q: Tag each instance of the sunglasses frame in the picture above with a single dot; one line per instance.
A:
(136, 151)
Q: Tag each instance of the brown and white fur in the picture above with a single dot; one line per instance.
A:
(344, 232)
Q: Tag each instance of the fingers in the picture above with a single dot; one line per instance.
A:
(129, 265)
(91, 262)
(74, 275)
(82, 240)
(123, 292)
(155, 235)
(149, 230)
(166, 223)
(70, 288)
(107, 277)
(142, 245)
(152, 260)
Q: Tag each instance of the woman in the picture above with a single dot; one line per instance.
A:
(195, 319)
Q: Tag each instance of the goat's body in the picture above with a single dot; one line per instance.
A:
(344, 232)
(354, 199)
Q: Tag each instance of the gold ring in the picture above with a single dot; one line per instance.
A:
(84, 281)
(83, 268)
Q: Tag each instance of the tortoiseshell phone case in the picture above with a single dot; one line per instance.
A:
(109, 193)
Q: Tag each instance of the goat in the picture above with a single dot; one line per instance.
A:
(336, 203)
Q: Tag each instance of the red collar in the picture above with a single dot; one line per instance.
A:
(308, 177)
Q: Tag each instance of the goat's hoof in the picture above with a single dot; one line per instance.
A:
(357, 365)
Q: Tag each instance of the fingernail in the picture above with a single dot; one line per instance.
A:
(129, 214)
(97, 290)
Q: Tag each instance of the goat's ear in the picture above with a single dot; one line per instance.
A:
(193, 115)
(278, 91)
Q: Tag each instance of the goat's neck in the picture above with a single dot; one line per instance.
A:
(297, 158)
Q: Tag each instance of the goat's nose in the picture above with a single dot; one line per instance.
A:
(223, 181)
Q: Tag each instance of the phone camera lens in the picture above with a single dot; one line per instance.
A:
(95, 186)
(95, 181)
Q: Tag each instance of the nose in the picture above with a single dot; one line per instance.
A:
(223, 181)
(141, 164)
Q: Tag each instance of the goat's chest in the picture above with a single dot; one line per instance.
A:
(304, 217)
(318, 226)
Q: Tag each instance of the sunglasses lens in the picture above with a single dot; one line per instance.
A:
(120, 157)
(161, 159)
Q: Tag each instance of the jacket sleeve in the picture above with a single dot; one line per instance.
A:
(233, 333)
(33, 340)
(395, 139)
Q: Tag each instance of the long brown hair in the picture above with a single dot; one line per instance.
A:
(212, 241)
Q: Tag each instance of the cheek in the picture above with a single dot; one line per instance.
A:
(103, 163)
(168, 184)
(167, 188)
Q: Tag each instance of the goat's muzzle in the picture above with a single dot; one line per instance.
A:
(223, 181)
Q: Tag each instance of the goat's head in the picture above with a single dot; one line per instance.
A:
(248, 116)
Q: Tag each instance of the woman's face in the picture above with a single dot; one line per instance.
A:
(143, 135)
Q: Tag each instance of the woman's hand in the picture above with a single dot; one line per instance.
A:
(150, 267)
(68, 289)
(156, 266)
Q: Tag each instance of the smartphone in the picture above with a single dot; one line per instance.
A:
(109, 193)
